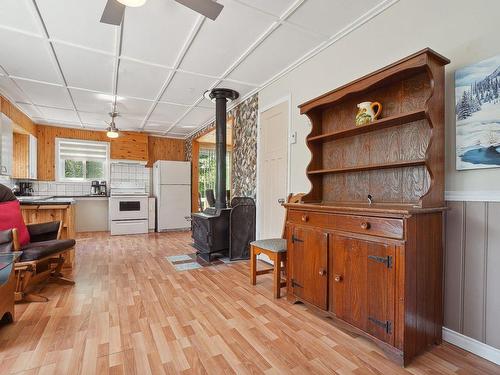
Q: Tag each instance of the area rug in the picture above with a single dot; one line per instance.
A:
(191, 261)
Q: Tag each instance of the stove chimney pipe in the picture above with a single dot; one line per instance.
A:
(221, 97)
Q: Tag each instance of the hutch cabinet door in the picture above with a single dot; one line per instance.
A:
(363, 282)
(307, 252)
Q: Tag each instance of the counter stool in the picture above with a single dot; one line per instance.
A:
(275, 249)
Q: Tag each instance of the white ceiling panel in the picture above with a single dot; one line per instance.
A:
(219, 43)
(167, 113)
(125, 123)
(86, 69)
(241, 88)
(133, 108)
(140, 80)
(46, 95)
(89, 118)
(163, 24)
(281, 49)
(198, 116)
(59, 115)
(330, 16)
(275, 7)
(186, 88)
(20, 15)
(27, 56)
(90, 101)
(10, 90)
(29, 109)
(77, 22)
(157, 127)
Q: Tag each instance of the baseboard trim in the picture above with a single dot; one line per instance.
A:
(471, 345)
(473, 196)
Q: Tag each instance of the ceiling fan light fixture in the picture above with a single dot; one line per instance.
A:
(133, 3)
(112, 133)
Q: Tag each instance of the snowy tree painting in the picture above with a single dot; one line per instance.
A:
(477, 109)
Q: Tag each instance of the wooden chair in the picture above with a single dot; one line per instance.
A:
(275, 249)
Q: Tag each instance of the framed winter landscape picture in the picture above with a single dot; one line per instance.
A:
(477, 111)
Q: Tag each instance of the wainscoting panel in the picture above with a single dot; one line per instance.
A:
(472, 270)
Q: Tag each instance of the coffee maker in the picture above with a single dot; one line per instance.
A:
(103, 189)
(94, 188)
(25, 188)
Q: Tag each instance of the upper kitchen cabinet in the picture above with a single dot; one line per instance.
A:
(5, 146)
(25, 156)
(130, 146)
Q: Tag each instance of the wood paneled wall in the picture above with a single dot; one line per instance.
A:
(129, 146)
(20, 153)
(165, 149)
(472, 263)
(19, 118)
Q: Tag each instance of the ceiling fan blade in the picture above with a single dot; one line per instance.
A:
(208, 8)
(113, 13)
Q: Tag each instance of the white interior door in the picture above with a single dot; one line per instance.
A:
(272, 170)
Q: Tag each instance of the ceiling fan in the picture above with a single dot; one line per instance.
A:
(115, 9)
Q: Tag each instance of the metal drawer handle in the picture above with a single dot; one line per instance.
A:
(338, 278)
(365, 225)
(305, 218)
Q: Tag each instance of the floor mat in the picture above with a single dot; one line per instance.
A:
(191, 261)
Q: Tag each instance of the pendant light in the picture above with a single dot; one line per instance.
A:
(112, 131)
(133, 3)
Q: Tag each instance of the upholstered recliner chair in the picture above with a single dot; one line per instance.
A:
(43, 252)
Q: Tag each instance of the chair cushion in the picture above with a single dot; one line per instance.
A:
(40, 250)
(276, 245)
(11, 217)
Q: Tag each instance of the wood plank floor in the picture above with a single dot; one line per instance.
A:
(130, 312)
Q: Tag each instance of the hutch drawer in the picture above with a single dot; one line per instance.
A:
(311, 218)
(375, 226)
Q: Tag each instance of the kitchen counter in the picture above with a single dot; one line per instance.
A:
(46, 201)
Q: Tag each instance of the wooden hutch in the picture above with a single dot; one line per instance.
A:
(375, 268)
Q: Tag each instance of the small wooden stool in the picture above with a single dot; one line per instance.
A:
(275, 249)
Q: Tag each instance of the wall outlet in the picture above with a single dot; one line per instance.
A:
(293, 138)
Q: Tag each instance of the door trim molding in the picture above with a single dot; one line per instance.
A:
(471, 345)
(286, 98)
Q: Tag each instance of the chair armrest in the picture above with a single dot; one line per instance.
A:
(44, 231)
(7, 240)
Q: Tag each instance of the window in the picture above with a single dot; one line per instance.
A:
(207, 170)
(78, 160)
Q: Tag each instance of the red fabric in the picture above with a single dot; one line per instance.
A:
(10, 217)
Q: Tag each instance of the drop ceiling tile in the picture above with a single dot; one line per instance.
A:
(19, 14)
(157, 31)
(167, 113)
(198, 116)
(219, 43)
(286, 45)
(329, 17)
(184, 129)
(90, 101)
(27, 56)
(241, 88)
(157, 127)
(77, 22)
(133, 108)
(30, 110)
(139, 80)
(46, 95)
(9, 89)
(59, 115)
(86, 69)
(89, 118)
(125, 123)
(275, 7)
(186, 88)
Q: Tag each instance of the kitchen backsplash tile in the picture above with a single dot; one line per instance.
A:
(131, 174)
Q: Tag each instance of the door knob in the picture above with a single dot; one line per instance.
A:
(322, 272)
(338, 278)
(281, 200)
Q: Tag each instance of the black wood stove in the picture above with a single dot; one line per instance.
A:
(210, 228)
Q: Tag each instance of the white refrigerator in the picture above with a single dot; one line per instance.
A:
(172, 190)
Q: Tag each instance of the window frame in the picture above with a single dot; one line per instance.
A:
(60, 163)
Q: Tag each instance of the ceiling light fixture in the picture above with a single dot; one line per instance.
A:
(112, 131)
(133, 3)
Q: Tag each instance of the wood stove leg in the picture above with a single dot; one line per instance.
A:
(253, 266)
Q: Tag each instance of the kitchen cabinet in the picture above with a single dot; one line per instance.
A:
(91, 214)
(6, 148)
(25, 160)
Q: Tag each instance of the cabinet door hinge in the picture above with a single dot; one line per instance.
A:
(386, 260)
(295, 239)
(296, 284)
(387, 325)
